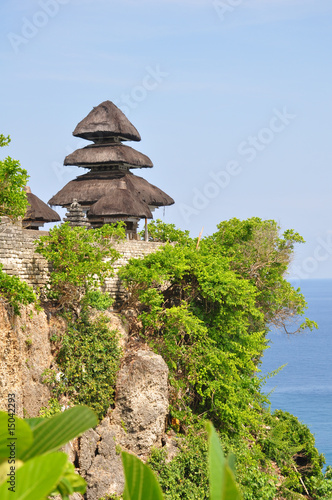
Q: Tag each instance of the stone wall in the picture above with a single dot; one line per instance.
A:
(19, 258)
(17, 253)
(129, 249)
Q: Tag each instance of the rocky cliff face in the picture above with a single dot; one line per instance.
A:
(135, 424)
(25, 352)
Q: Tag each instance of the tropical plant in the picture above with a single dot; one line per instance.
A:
(160, 231)
(13, 178)
(88, 360)
(31, 468)
(206, 312)
(206, 307)
(14, 292)
(141, 484)
(81, 260)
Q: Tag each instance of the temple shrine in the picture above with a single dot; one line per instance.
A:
(110, 192)
(37, 213)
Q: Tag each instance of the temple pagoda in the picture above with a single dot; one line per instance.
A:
(110, 192)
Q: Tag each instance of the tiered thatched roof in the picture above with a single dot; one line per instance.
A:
(112, 154)
(106, 121)
(87, 189)
(110, 190)
(120, 202)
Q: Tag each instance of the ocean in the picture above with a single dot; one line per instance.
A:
(304, 386)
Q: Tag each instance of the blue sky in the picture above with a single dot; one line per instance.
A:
(232, 99)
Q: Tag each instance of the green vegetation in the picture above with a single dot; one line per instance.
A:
(37, 469)
(13, 178)
(14, 292)
(186, 476)
(88, 354)
(160, 231)
(81, 261)
(51, 409)
(206, 311)
(141, 484)
(13, 204)
(88, 360)
(206, 307)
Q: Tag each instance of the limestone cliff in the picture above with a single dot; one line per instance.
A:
(137, 421)
(25, 352)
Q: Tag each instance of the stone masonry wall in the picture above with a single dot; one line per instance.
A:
(129, 249)
(17, 253)
(19, 258)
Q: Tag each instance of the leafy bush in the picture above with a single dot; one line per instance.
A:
(15, 292)
(186, 476)
(160, 231)
(141, 483)
(98, 300)
(81, 260)
(52, 408)
(13, 178)
(89, 359)
(291, 445)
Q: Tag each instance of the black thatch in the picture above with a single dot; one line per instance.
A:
(91, 187)
(38, 210)
(120, 202)
(111, 154)
(106, 121)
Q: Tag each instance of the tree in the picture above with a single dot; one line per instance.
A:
(13, 178)
(259, 254)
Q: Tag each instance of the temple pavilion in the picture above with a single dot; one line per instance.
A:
(110, 192)
(37, 213)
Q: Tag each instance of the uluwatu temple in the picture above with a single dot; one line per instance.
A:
(110, 191)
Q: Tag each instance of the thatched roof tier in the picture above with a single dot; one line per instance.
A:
(37, 210)
(90, 187)
(120, 202)
(112, 154)
(106, 121)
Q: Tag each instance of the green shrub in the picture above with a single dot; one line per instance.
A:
(186, 476)
(81, 260)
(160, 231)
(88, 359)
(15, 292)
(98, 300)
(52, 408)
(206, 309)
(13, 178)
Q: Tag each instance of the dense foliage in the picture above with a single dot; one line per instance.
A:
(81, 260)
(14, 292)
(206, 307)
(13, 204)
(31, 467)
(160, 231)
(13, 178)
(88, 359)
(88, 353)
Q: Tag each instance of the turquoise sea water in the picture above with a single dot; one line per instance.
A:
(304, 386)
